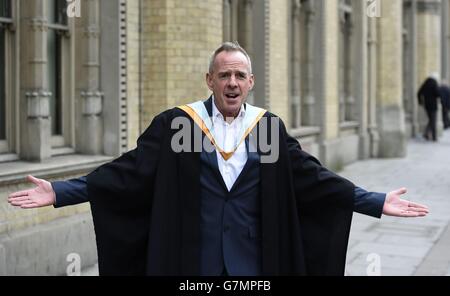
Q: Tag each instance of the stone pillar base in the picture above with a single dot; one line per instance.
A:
(392, 144)
(364, 146)
(392, 132)
(374, 142)
(91, 137)
(337, 153)
(92, 141)
(38, 147)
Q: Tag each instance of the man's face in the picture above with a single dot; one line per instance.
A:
(230, 81)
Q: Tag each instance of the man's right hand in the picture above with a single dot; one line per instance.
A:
(40, 196)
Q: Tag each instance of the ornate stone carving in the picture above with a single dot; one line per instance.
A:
(38, 103)
(38, 24)
(92, 103)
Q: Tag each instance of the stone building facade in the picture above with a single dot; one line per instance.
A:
(81, 79)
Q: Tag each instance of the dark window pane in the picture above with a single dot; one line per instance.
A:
(54, 80)
(51, 10)
(61, 12)
(57, 12)
(5, 8)
(2, 86)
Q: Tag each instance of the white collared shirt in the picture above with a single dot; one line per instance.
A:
(226, 137)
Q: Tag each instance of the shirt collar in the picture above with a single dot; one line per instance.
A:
(217, 115)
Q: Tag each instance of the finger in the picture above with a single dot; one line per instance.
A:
(401, 191)
(34, 180)
(21, 203)
(18, 199)
(412, 214)
(417, 205)
(30, 206)
(425, 210)
(19, 193)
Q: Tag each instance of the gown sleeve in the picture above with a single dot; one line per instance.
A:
(325, 203)
(120, 193)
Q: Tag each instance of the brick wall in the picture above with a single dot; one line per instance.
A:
(178, 38)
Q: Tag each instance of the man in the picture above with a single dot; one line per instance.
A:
(428, 95)
(169, 208)
(444, 92)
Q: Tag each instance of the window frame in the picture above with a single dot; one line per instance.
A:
(62, 143)
(346, 14)
(7, 144)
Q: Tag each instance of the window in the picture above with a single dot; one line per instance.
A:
(2, 86)
(303, 25)
(5, 22)
(346, 24)
(237, 24)
(57, 28)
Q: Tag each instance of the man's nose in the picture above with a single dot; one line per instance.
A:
(232, 82)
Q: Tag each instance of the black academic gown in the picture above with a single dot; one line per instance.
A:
(146, 209)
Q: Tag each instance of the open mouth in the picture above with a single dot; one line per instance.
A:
(231, 96)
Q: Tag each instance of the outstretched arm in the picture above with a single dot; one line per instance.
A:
(393, 205)
(40, 196)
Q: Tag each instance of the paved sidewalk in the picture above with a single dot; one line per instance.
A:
(404, 246)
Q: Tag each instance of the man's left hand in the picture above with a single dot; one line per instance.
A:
(395, 206)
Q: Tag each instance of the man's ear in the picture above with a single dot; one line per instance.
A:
(209, 81)
(252, 82)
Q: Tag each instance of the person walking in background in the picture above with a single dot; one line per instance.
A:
(444, 91)
(428, 95)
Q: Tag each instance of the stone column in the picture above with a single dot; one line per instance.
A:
(328, 22)
(341, 67)
(410, 67)
(372, 44)
(246, 36)
(360, 77)
(234, 20)
(413, 70)
(90, 134)
(35, 97)
(277, 100)
(226, 22)
(296, 65)
(444, 37)
(309, 100)
(428, 38)
(391, 115)
(247, 26)
(428, 48)
(350, 71)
